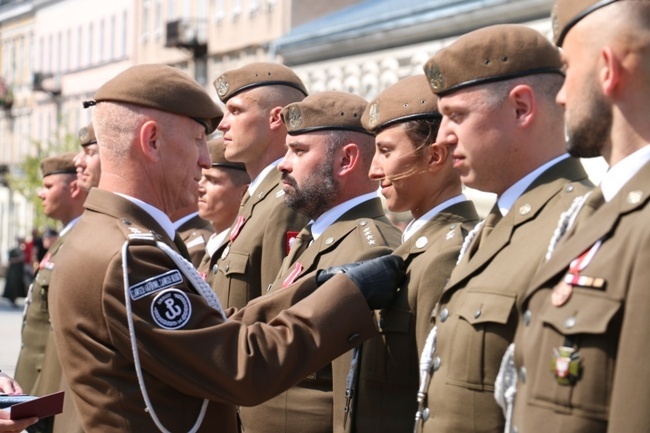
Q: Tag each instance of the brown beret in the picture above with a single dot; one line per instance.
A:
(325, 111)
(217, 154)
(493, 53)
(567, 13)
(59, 164)
(408, 99)
(87, 136)
(256, 75)
(164, 88)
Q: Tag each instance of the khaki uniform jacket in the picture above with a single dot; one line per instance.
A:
(36, 327)
(361, 233)
(385, 398)
(195, 233)
(187, 352)
(476, 316)
(608, 326)
(247, 266)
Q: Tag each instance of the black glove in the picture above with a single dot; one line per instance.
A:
(377, 279)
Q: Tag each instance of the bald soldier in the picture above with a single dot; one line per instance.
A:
(496, 91)
(581, 345)
(38, 369)
(221, 189)
(146, 342)
(325, 177)
(248, 262)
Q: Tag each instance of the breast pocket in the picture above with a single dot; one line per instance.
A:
(484, 326)
(389, 357)
(587, 322)
(236, 292)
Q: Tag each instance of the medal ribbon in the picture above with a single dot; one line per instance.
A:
(241, 219)
(579, 264)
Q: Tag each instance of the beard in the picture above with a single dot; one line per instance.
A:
(316, 194)
(587, 138)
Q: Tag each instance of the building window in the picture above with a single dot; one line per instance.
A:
(158, 17)
(171, 10)
(111, 39)
(145, 21)
(219, 11)
(236, 8)
(68, 50)
(91, 43)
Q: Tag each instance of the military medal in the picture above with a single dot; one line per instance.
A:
(563, 290)
(241, 219)
(565, 365)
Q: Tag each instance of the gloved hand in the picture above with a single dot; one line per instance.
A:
(377, 279)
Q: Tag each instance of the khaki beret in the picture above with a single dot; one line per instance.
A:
(493, 53)
(253, 75)
(325, 111)
(408, 99)
(163, 88)
(59, 164)
(217, 154)
(567, 13)
(87, 136)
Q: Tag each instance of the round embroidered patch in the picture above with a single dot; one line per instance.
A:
(171, 309)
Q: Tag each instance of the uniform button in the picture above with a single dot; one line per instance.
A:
(363, 223)
(515, 429)
(453, 226)
(522, 374)
(436, 363)
(353, 338)
(127, 222)
(215, 269)
(227, 268)
(527, 316)
(477, 314)
(444, 314)
(425, 414)
(570, 322)
(569, 188)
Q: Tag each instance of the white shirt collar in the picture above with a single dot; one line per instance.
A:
(215, 241)
(330, 216)
(183, 220)
(511, 195)
(260, 177)
(158, 215)
(417, 224)
(69, 226)
(620, 174)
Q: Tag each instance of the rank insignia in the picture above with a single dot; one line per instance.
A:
(222, 86)
(436, 79)
(295, 116)
(565, 365)
(374, 114)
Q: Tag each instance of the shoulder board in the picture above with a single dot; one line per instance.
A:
(137, 234)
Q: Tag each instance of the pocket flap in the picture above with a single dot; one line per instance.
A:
(235, 263)
(585, 313)
(481, 307)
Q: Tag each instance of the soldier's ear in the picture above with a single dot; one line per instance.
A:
(609, 71)
(349, 158)
(275, 121)
(437, 154)
(149, 138)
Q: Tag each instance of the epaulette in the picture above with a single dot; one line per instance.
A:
(369, 233)
(137, 234)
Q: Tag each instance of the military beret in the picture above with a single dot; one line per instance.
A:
(87, 136)
(567, 13)
(59, 164)
(493, 53)
(253, 75)
(163, 88)
(325, 111)
(408, 99)
(217, 154)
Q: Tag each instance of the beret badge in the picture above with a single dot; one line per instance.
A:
(295, 116)
(374, 114)
(84, 134)
(222, 85)
(436, 79)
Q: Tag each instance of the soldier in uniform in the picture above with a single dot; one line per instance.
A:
(146, 342)
(583, 329)
(324, 176)
(248, 262)
(496, 90)
(38, 369)
(417, 175)
(87, 162)
(221, 189)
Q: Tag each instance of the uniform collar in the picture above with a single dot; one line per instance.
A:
(330, 216)
(158, 215)
(179, 222)
(417, 224)
(620, 174)
(260, 177)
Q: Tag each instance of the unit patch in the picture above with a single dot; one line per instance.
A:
(155, 284)
(171, 309)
